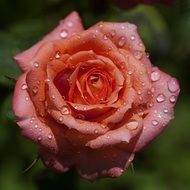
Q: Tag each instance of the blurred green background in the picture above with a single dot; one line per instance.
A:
(165, 164)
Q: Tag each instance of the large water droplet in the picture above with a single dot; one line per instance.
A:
(154, 122)
(160, 98)
(65, 110)
(24, 87)
(63, 33)
(121, 41)
(132, 125)
(172, 99)
(155, 76)
(36, 64)
(173, 85)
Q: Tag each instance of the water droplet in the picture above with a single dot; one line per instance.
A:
(47, 80)
(39, 138)
(53, 96)
(105, 37)
(132, 125)
(138, 55)
(103, 126)
(150, 104)
(132, 38)
(122, 27)
(173, 85)
(108, 137)
(36, 64)
(50, 136)
(60, 118)
(80, 116)
(57, 55)
(96, 131)
(140, 44)
(155, 76)
(100, 25)
(64, 33)
(36, 126)
(113, 33)
(121, 41)
(35, 89)
(147, 55)
(172, 99)
(24, 87)
(154, 122)
(139, 92)
(69, 24)
(27, 98)
(160, 98)
(65, 110)
(165, 110)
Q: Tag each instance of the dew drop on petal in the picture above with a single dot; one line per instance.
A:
(80, 116)
(36, 64)
(65, 110)
(165, 110)
(39, 138)
(63, 33)
(69, 24)
(105, 37)
(132, 125)
(132, 37)
(36, 126)
(160, 98)
(121, 41)
(50, 136)
(24, 87)
(172, 99)
(35, 89)
(96, 131)
(57, 55)
(155, 76)
(27, 98)
(154, 122)
(138, 55)
(60, 118)
(173, 85)
(113, 33)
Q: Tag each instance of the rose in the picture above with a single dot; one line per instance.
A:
(91, 98)
(131, 3)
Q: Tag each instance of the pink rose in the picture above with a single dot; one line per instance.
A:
(91, 98)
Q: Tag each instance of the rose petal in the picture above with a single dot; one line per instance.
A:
(124, 133)
(108, 162)
(66, 28)
(161, 109)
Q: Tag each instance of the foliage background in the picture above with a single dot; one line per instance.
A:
(165, 164)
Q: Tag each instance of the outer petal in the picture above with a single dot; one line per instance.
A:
(66, 28)
(108, 162)
(31, 126)
(125, 36)
(161, 108)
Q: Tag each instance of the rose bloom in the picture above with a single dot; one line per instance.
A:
(91, 98)
(125, 4)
